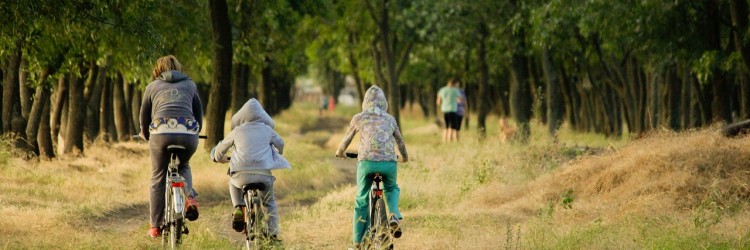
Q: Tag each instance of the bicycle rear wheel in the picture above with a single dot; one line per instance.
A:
(176, 232)
(258, 227)
(168, 216)
(248, 220)
(379, 230)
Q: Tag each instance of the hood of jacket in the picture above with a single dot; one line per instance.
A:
(374, 100)
(172, 76)
(251, 111)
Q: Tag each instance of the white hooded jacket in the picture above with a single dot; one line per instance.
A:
(254, 141)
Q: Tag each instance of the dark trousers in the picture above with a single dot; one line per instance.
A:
(160, 160)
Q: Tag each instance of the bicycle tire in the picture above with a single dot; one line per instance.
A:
(258, 223)
(248, 222)
(167, 215)
(380, 232)
(176, 229)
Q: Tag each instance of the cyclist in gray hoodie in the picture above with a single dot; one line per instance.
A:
(257, 151)
(171, 114)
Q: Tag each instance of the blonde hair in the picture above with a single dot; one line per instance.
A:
(165, 63)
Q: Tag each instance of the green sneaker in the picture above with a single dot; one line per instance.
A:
(238, 220)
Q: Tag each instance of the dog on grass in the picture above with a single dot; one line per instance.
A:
(506, 132)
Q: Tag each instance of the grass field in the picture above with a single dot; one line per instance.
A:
(662, 191)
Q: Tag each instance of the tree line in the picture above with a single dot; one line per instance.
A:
(597, 66)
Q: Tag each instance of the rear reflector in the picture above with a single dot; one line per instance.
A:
(178, 184)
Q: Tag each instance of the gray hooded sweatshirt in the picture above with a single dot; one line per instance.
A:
(254, 140)
(173, 95)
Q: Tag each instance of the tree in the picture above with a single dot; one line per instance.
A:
(222, 64)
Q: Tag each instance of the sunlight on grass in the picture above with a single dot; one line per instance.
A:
(585, 191)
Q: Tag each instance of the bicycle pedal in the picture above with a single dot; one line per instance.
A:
(185, 230)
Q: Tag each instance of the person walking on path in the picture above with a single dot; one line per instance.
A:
(448, 98)
(462, 109)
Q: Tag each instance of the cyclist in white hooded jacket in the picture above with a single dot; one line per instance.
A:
(257, 151)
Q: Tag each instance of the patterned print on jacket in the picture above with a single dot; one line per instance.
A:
(379, 132)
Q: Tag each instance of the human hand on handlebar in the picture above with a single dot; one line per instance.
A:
(222, 158)
(402, 159)
(340, 154)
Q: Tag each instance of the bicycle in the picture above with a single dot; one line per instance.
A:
(254, 229)
(380, 233)
(174, 199)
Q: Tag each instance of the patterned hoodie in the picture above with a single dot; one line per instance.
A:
(253, 139)
(379, 130)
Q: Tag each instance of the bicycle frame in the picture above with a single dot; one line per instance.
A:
(174, 204)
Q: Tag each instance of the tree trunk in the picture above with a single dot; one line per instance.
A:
(135, 107)
(554, 98)
(93, 97)
(355, 65)
(35, 113)
(484, 80)
(239, 86)
(59, 107)
(122, 120)
(44, 134)
(11, 101)
(89, 89)
(674, 95)
(387, 52)
(520, 95)
(222, 66)
(105, 108)
(654, 100)
(739, 13)
(128, 89)
(74, 132)
(25, 90)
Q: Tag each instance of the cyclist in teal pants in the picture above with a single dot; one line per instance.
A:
(379, 136)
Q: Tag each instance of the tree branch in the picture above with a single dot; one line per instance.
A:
(404, 58)
(378, 62)
(371, 10)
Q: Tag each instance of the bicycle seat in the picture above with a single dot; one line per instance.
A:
(172, 149)
(254, 186)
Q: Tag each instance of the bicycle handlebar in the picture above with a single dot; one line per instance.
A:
(355, 155)
(199, 137)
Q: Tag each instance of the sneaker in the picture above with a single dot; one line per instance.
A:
(275, 240)
(395, 226)
(154, 232)
(192, 209)
(355, 246)
(238, 220)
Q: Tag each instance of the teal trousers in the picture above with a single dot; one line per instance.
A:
(388, 170)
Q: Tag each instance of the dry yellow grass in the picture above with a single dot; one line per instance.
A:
(666, 191)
